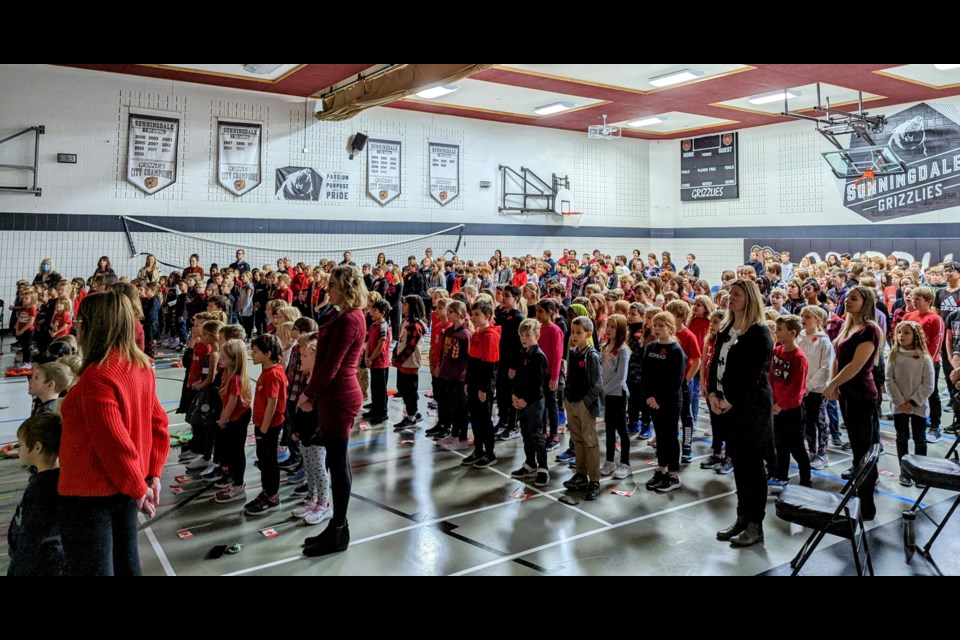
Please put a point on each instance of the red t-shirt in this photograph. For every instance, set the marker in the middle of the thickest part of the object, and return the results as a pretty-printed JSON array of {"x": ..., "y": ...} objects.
[
  {"x": 688, "y": 342},
  {"x": 61, "y": 324},
  {"x": 26, "y": 316},
  {"x": 380, "y": 360},
  {"x": 283, "y": 294},
  {"x": 788, "y": 376},
  {"x": 272, "y": 384},
  {"x": 438, "y": 324},
  {"x": 234, "y": 387},
  {"x": 933, "y": 327},
  {"x": 197, "y": 370},
  {"x": 700, "y": 327},
  {"x": 76, "y": 302}
]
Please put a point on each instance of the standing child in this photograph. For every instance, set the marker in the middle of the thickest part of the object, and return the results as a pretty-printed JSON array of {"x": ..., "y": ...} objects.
[
  {"x": 664, "y": 364},
  {"x": 453, "y": 372},
  {"x": 818, "y": 349},
  {"x": 205, "y": 356},
  {"x": 788, "y": 377},
  {"x": 718, "y": 462},
  {"x": 47, "y": 382},
  {"x": 377, "y": 360},
  {"x": 26, "y": 323},
  {"x": 933, "y": 329},
  {"x": 407, "y": 359},
  {"x": 484, "y": 352},
  {"x": 551, "y": 342},
  {"x": 691, "y": 349},
  {"x": 910, "y": 377},
  {"x": 528, "y": 400},
  {"x": 582, "y": 402},
  {"x": 34, "y": 536},
  {"x": 269, "y": 408},
  {"x": 438, "y": 325},
  {"x": 508, "y": 318},
  {"x": 236, "y": 396},
  {"x": 316, "y": 507},
  {"x": 616, "y": 358},
  {"x": 638, "y": 413}
]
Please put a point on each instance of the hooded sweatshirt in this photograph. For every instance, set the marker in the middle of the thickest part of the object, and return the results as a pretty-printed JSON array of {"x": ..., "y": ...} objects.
[
  {"x": 819, "y": 351},
  {"x": 483, "y": 354}
]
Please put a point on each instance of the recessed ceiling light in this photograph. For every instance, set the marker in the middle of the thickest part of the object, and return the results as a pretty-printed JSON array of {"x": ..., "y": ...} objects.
[
  {"x": 261, "y": 69},
  {"x": 676, "y": 77},
  {"x": 436, "y": 92},
  {"x": 945, "y": 67},
  {"x": 646, "y": 122},
  {"x": 776, "y": 96},
  {"x": 555, "y": 107}
]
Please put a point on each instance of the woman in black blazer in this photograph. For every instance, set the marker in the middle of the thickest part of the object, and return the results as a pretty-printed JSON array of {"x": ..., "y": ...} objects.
[{"x": 740, "y": 395}]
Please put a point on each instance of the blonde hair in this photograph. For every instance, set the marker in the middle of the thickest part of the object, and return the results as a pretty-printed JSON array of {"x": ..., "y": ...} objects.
[
  {"x": 288, "y": 314},
  {"x": 919, "y": 339},
  {"x": 622, "y": 307},
  {"x": 130, "y": 291},
  {"x": 529, "y": 326},
  {"x": 455, "y": 306},
  {"x": 818, "y": 314},
  {"x": 925, "y": 293},
  {"x": 353, "y": 292},
  {"x": 707, "y": 304},
  {"x": 58, "y": 373},
  {"x": 680, "y": 310},
  {"x": 753, "y": 309},
  {"x": 107, "y": 323},
  {"x": 236, "y": 352},
  {"x": 74, "y": 363},
  {"x": 666, "y": 319}
]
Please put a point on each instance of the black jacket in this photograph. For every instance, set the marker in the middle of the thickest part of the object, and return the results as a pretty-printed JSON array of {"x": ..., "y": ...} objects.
[
  {"x": 531, "y": 374},
  {"x": 34, "y": 535},
  {"x": 745, "y": 383}
]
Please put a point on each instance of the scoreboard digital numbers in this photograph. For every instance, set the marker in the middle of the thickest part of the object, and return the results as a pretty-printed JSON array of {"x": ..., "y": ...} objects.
[{"x": 709, "y": 168}]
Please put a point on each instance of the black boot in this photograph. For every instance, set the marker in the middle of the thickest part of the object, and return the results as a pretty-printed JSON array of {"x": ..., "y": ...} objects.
[
  {"x": 737, "y": 527},
  {"x": 332, "y": 540},
  {"x": 752, "y": 535}
]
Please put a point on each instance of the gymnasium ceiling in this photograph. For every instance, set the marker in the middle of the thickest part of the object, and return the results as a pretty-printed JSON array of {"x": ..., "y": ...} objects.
[{"x": 717, "y": 99}]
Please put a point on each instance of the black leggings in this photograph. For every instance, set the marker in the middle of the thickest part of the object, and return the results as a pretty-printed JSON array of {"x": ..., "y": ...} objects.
[
  {"x": 665, "y": 421},
  {"x": 616, "y": 421},
  {"x": 637, "y": 408},
  {"x": 267, "y": 459},
  {"x": 341, "y": 479},
  {"x": 99, "y": 536},
  {"x": 25, "y": 339},
  {"x": 860, "y": 415},
  {"x": 407, "y": 384},
  {"x": 231, "y": 447},
  {"x": 481, "y": 419},
  {"x": 247, "y": 323},
  {"x": 908, "y": 424}
]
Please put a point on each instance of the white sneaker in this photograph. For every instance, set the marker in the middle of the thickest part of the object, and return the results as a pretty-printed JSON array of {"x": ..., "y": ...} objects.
[
  {"x": 231, "y": 494},
  {"x": 318, "y": 515},
  {"x": 305, "y": 508},
  {"x": 623, "y": 471},
  {"x": 607, "y": 468},
  {"x": 197, "y": 464}
]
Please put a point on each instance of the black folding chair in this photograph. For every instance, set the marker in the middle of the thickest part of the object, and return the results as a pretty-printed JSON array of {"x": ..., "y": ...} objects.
[
  {"x": 934, "y": 473},
  {"x": 826, "y": 512}
]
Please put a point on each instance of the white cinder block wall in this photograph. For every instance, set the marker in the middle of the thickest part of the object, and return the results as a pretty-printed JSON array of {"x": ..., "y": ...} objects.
[{"x": 625, "y": 187}]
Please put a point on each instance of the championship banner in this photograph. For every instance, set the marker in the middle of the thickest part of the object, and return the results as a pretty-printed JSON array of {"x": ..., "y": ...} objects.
[
  {"x": 444, "y": 171},
  {"x": 383, "y": 169},
  {"x": 152, "y": 152},
  {"x": 238, "y": 155}
]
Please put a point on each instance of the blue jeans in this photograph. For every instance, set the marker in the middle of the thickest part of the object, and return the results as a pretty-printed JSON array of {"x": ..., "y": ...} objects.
[
  {"x": 695, "y": 398},
  {"x": 99, "y": 536},
  {"x": 833, "y": 416}
]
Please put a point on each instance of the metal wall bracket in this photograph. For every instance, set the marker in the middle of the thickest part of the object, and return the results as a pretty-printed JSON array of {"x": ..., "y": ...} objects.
[{"x": 35, "y": 167}]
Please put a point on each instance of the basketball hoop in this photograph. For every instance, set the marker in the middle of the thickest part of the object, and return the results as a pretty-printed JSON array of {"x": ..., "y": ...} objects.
[
  {"x": 572, "y": 218},
  {"x": 867, "y": 175}
]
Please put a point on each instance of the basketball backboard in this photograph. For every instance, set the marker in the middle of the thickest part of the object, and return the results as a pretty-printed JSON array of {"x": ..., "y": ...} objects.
[{"x": 856, "y": 161}]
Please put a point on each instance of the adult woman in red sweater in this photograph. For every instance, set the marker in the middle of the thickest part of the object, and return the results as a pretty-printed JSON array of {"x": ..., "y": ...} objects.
[
  {"x": 335, "y": 394},
  {"x": 114, "y": 444}
]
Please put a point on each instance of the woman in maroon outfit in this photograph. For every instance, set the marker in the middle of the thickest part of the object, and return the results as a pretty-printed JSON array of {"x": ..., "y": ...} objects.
[{"x": 335, "y": 393}]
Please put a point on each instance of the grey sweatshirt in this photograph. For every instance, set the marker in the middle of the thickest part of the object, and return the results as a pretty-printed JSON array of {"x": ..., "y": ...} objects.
[
  {"x": 614, "y": 371},
  {"x": 910, "y": 379}
]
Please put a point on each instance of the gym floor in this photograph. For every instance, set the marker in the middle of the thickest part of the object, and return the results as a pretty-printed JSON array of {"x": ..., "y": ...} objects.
[{"x": 416, "y": 511}]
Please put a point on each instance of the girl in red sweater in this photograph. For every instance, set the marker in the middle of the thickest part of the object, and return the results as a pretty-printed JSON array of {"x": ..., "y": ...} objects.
[
  {"x": 236, "y": 396},
  {"x": 63, "y": 318},
  {"x": 114, "y": 443}
]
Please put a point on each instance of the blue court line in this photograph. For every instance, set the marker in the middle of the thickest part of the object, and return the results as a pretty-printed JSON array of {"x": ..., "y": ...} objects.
[
  {"x": 880, "y": 492},
  {"x": 375, "y": 441},
  {"x": 943, "y": 436}
]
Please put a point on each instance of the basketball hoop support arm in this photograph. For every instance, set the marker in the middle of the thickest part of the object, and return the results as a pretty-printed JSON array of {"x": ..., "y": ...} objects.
[{"x": 840, "y": 123}]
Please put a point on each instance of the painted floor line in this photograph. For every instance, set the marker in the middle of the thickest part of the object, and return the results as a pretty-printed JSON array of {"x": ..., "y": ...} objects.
[{"x": 164, "y": 561}]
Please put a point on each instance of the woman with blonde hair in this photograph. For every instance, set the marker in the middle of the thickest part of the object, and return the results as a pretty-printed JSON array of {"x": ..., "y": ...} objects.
[
  {"x": 740, "y": 396},
  {"x": 114, "y": 444},
  {"x": 853, "y": 384},
  {"x": 335, "y": 394},
  {"x": 47, "y": 274},
  {"x": 150, "y": 271}
]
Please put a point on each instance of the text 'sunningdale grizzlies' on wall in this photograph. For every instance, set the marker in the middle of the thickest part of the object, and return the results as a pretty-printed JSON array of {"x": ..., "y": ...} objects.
[{"x": 927, "y": 139}]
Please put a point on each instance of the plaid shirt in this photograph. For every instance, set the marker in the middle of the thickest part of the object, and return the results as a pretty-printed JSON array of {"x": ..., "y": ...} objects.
[{"x": 295, "y": 377}]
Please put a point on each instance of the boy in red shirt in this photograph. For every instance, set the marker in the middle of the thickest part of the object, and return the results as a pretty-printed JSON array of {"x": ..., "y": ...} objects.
[
  {"x": 269, "y": 411},
  {"x": 681, "y": 311},
  {"x": 283, "y": 291},
  {"x": 933, "y": 329},
  {"x": 483, "y": 355},
  {"x": 377, "y": 359},
  {"x": 788, "y": 377}
]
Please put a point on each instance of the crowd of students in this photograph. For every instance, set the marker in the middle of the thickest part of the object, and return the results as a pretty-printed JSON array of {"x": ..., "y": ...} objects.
[{"x": 517, "y": 348}]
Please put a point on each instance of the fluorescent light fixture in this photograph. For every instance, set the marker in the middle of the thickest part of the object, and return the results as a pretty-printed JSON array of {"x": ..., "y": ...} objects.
[
  {"x": 776, "y": 96},
  {"x": 436, "y": 92},
  {"x": 945, "y": 67},
  {"x": 646, "y": 122},
  {"x": 676, "y": 77},
  {"x": 261, "y": 69},
  {"x": 555, "y": 107}
]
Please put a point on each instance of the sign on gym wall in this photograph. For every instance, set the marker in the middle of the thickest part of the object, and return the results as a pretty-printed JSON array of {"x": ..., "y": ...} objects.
[
  {"x": 152, "y": 152},
  {"x": 926, "y": 251},
  {"x": 383, "y": 169},
  {"x": 444, "y": 172},
  {"x": 238, "y": 156},
  {"x": 927, "y": 139}
]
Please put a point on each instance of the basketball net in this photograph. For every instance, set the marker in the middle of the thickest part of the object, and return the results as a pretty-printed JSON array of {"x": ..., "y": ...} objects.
[{"x": 867, "y": 175}]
